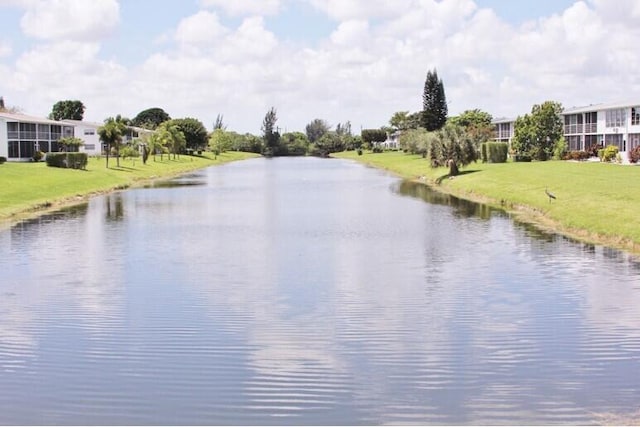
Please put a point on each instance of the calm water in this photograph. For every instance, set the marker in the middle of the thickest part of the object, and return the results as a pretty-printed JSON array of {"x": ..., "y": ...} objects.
[{"x": 309, "y": 291}]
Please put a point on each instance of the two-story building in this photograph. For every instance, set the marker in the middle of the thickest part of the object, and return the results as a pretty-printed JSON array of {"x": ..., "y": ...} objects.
[
  {"x": 503, "y": 129},
  {"x": 21, "y": 135},
  {"x": 603, "y": 124}
]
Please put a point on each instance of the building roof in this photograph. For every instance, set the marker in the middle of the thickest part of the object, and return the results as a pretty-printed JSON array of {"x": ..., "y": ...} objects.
[
  {"x": 599, "y": 107},
  {"x": 83, "y": 123},
  {"x": 16, "y": 117},
  {"x": 502, "y": 120}
]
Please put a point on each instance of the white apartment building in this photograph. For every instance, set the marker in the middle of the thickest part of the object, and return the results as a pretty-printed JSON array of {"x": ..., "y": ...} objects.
[
  {"x": 503, "y": 129},
  {"x": 21, "y": 135},
  {"x": 603, "y": 124}
]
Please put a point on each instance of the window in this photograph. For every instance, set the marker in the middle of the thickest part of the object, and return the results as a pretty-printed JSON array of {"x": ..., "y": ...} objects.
[
  {"x": 635, "y": 116},
  {"x": 89, "y": 147},
  {"x": 13, "y": 132},
  {"x": 44, "y": 132},
  {"x": 591, "y": 122},
  {"x": 615, "y": 118},
  {"x": 26, "y": 149},
  {"x": 89, "y": 132},
  {"x": 56, "y": 132},
  {"x": 27, "y": 131},
  {"x": 14, "y": 150},
  {"x": 43, "y": 146},
  {"x": 68, "y": 131}
]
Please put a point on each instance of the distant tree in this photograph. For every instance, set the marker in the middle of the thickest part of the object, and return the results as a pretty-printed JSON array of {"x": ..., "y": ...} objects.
[
  {"x": 477, "y": 123},
  {"x": 415, "y": 141},
  {"x": 220, "y": 141},
  {"x": 293, "y": 144},
  {"x": 371, "y": 136},
  {"x": 452, "y": 147},
  {"x": 403, "y": 120},
  {"x": 150, "y": 118},
  {"x": 434, "y": 101},
  {"x": 195, "y": 133},
  {"x": 111, "y": 134},
  {"x": 219, "y": 124},
  {"x": 328, "y": 143},
  {"x": 537, "y": 134},
  {"x": 248, "y": 143},
  {"x": 67, "y": 110},
  {"x": 170, "y": 138},
  {"x": 316, "y": 129},
  {"x": 270, "y": 134}
]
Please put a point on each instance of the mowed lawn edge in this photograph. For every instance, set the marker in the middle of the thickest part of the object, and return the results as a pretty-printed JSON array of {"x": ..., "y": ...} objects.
[
  {"x": 595, "y": 202},
  {"x": 30, "y": 189}
]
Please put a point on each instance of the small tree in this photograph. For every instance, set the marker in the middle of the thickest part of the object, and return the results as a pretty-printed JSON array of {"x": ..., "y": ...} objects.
[
  {"x": 270, "y": 134},
  {"x": 315, "y": 129},
  {"x": 220, "y": 141},
  {"x": 452, "y": 147},
  {"x": 371, "y": 136},
  {"x": 70, "y": 143},
  {"x": 536, "y": 135}
]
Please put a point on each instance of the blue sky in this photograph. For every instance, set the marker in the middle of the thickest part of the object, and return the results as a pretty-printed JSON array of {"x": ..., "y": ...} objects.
[{"x": 339, "y": 60}]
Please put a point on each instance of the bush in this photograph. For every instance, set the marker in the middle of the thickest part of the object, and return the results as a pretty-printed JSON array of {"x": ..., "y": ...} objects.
[
  {"x": 359, "y": 151},
  {"x": 377, "y": 149},
  {"x": 2, "y": 160},
  {"x": 522, "y": 158},
  {"x": 577, "y": 155},
  {"x": 634, "y": 155},
  {"x": 129, "y": 151},
  {"x": 37, "y": 156},
  {"x": 494, "y": 152},
  {"x": 608, "y": 153},
  {"x": 67, "y": 160}
]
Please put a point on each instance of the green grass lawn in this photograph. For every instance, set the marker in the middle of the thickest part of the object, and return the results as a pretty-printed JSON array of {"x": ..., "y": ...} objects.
[
  {"x": 26, "y": 187},
  {"x": 595, "y": 202}
]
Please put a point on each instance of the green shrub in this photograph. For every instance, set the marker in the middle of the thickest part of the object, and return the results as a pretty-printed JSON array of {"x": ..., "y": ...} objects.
[
  {"x": 634, "y": 155},
  {"x": 2, "y": 160},
  {"x": 494, "y": 152},
  {"x": 67, "y": 160},
  {"x": 608, "y": 153},
  {"x": 359, "y": 151},
  {"x": 129, "y": 151},
  {"x": 522, "y": 158},
  {"x": 37, "y": 156},
  {"x": 377, "y": 149},
  {"x": 577, "y": 155}
]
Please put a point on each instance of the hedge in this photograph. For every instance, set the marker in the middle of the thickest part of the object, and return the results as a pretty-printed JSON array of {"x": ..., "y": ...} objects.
[
  {"x": 2, "y": 160},
  {"x": 67, "y": 160},
  {"x": 494, "y": 152}
]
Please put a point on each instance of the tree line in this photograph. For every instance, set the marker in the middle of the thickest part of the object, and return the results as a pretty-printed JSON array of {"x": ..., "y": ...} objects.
[{"x": 445, "y": 141}]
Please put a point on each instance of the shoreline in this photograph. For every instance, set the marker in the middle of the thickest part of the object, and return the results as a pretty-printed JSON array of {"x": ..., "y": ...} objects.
[
  {"x": 38, "y": 209},
  {"x": 518, "y": 212}
]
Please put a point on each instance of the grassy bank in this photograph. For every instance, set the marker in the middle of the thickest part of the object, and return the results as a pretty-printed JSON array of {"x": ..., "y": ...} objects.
[
  {"x": 596, "y": 202},
  {"x": 28, "y": 188}
]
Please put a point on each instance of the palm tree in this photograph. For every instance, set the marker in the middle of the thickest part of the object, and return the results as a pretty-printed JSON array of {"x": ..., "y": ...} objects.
[
  {"x": 453, "y": 147},
  {"x": 111, "y": 134}
]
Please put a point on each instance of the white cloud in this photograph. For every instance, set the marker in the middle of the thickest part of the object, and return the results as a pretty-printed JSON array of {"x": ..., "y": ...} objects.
[
  {"x": 373, "y": 64},
  {"x": 245, "y": 7},
  {"x": 70, "y": 19},
  {"x": 202, "y": 28},
  {"x": 352, "y": 32}
]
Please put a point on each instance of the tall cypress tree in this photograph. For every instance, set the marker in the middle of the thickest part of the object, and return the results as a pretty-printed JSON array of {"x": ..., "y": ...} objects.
[{"x": 434, "y": 112}]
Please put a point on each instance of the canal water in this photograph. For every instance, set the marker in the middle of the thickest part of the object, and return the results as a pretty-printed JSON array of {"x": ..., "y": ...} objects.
[{"x": 309, "y": 291}]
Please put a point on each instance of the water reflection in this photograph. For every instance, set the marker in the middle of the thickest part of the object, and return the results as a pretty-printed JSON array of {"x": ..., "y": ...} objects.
[
  {"x": 303, "y": 291},
  {"x": 462, "y": 208}
]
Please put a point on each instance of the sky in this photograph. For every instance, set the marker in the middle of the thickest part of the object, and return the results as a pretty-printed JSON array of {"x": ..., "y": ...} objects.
[{"x": 337, "y": 60}]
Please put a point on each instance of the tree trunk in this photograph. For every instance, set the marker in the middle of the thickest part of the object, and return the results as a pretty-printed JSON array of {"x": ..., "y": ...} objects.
[
  {"x": 108, "y": 147},
  {"x": 453, "y": 168}
]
